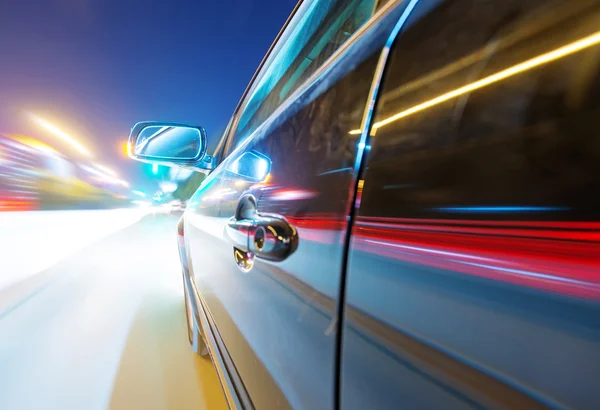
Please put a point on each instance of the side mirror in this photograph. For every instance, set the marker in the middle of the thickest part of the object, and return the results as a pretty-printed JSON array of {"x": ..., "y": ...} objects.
[{"x": 170, "y": 143}]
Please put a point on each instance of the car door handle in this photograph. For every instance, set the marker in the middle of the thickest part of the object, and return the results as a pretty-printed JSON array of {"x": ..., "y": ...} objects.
[{"x": 267, "y": 236}]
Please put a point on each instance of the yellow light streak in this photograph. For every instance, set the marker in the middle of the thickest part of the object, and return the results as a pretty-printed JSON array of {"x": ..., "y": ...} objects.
[
  {"x": 527, "y": 65},
  {"x": 59, "y": 133},
  {"x": 33, "y": 143},
  {"x": 127, "y": 149}
]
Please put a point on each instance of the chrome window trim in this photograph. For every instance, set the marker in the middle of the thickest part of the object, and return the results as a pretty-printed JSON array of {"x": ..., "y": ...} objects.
[
  {"x": 232, "y": 126},
  {"x": 373, "y": 20},
  {"x": 381, "y": 14}
]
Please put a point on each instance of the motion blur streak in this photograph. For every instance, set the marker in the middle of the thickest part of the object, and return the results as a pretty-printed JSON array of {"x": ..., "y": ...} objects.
[
  {"x": 59, "y": 133},
  {"x": 542, "y": 59},
  {"x": 563, "y": 259},
  {"x": 105, "y": 327},
  {"x": 106, "y": 169},
  {"x": 34, "y": 175},
  {"x": 559, "y": 257}
]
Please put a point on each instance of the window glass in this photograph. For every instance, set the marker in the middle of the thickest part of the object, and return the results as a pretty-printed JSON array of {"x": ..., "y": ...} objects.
[
  {"x": 495, "y": 113},
  {"x": 317, "y": 30}
]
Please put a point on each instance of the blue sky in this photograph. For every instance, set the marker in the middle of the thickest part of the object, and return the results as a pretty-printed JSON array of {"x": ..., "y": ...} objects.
[{"x": 98, "y": 66}]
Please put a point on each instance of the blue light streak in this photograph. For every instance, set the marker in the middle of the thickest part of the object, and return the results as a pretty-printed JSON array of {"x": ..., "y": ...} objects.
[{"x": 495, "y": 209}]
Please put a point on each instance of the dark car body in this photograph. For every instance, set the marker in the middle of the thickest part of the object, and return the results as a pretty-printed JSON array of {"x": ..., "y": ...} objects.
[{"x": 435, "y": 170}]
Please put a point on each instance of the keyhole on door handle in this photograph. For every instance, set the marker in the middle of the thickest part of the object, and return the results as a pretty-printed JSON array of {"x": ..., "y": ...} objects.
[{"x": 259, "y": 238}]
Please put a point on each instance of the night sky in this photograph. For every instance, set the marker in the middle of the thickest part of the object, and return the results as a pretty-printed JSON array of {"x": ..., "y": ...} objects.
[{"x": 95, "y": 67}]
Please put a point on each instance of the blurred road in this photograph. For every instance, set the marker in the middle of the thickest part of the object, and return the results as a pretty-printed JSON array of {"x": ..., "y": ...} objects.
[
  {"x": 104, "y": 326},
  {"x": 53, "y": 235}
]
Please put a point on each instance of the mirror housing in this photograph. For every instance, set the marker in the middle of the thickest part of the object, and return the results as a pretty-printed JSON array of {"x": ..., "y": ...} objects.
[{"x": 170, "y": 143}]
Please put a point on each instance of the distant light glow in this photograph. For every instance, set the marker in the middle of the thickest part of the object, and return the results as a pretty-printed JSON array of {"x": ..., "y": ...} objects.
[
  {"x": 139, "y": 193},
  {"x": 143, "y": 204},
  {"x": 155, "y": 169},
  {"x": 168, "y": 186},
  {"x": 180, "y": 174},
  {"x": 59, "y": 133},
  {"x": 127, "y": 149},
  {"x": 221, "y": 193},
  {"x": 262, "y": 168},
  {"x": 103, "y": 176}
]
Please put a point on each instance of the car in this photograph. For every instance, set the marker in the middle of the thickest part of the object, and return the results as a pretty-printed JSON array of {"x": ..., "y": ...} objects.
[{"x": 404, "y": 210}]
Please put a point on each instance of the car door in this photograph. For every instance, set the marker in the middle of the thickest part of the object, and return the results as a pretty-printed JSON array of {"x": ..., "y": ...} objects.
[
  {"x": 290, "y": 165},
  {"x": 474, "y": 268}
]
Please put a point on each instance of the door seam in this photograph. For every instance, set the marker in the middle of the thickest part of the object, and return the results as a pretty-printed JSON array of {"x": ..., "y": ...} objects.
[{"x": 363, "y": 144}]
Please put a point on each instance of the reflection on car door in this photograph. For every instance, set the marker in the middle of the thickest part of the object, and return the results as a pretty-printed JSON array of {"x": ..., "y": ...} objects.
[
  {"x": 473, "y": 274},
  {"x": 278, "y": 320}
]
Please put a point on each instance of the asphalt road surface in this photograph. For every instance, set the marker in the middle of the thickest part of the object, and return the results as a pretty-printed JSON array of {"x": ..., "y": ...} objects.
[{"x": 92, "y": 315}]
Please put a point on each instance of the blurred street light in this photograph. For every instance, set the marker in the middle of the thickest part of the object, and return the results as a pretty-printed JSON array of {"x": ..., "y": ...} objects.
[
  {"x": 106, "y": 170},
  {"x": 34, "y": 143},
  {"x": 143, "y": 204},
  {"x": 126, "y": 148},
  {"x": 168, "y": 187},
  {"x": 104, "y": 176},
  {"x": 59, "y": 133}
]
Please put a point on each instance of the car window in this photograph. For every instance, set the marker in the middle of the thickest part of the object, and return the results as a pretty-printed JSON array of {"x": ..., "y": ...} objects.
[
  {"x": 317, "y": 30},
  {"x": 498, "y": 118}
]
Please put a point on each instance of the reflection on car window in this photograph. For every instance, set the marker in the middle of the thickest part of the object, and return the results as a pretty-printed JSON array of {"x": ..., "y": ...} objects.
[
  {"x": 499, "y": 110},
  {"x": 318, "y": 29}
]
